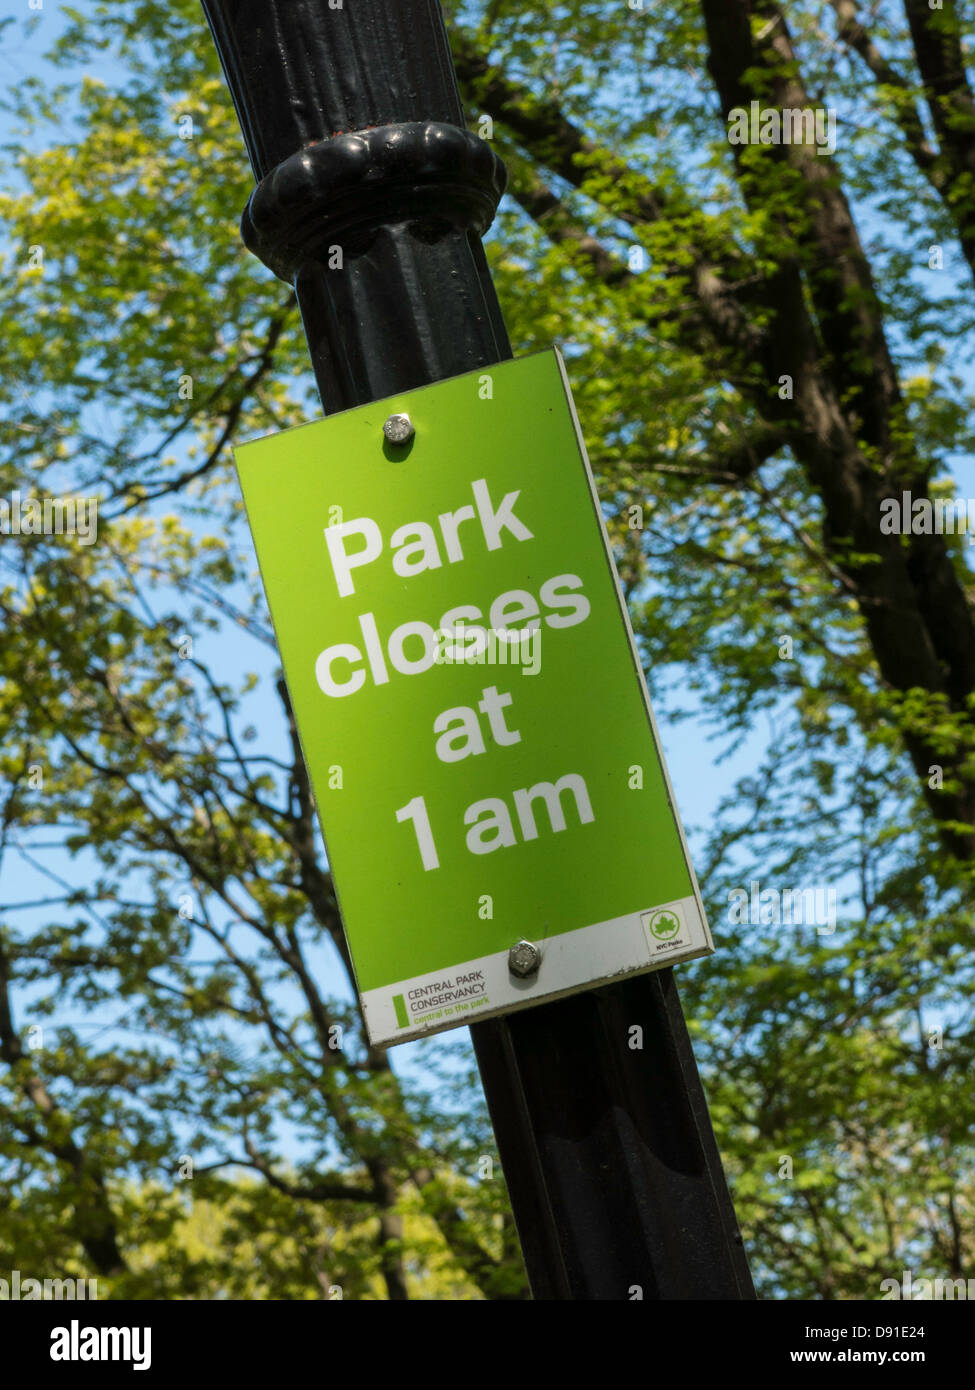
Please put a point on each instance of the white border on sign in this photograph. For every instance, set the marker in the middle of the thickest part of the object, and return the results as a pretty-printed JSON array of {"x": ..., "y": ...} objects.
[{"x": 570, "y": 962}]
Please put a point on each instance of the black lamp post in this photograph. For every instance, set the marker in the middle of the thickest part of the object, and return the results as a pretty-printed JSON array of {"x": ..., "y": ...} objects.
[{"x": 371, "y": 200}]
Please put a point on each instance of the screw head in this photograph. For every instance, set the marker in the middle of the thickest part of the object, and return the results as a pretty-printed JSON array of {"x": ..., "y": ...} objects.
[
  {"x": 398, "y": 429},
  {"x": 524, "y": 959}
]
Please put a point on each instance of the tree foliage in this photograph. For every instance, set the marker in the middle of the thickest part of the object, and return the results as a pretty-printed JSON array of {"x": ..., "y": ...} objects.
[{"x": 764, "y": 347}]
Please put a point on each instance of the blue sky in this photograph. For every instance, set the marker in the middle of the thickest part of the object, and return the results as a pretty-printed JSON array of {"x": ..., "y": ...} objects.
[{"x": 701, "y": 778}]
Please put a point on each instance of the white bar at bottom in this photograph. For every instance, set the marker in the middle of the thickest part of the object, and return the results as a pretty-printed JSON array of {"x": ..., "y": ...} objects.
[{"x": 573, "y": 961}]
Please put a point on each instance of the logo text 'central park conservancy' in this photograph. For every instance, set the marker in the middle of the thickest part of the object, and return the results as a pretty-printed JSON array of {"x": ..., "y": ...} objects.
[{"x": 470, "y": 806}]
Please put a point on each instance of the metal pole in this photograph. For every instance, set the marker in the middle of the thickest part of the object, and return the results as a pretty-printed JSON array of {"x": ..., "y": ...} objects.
[{"x": 371, "y": 200}]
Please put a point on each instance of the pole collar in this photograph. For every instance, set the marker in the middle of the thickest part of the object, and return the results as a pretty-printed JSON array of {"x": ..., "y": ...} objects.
[{"x": 337, "y": 192}]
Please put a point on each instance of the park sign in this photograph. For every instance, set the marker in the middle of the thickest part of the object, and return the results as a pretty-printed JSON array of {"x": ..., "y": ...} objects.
[{"x": 472, "y": 711}]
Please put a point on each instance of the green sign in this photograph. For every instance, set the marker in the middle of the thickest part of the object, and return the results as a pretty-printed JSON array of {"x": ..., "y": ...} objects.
[{"x": 470, "y": 704}]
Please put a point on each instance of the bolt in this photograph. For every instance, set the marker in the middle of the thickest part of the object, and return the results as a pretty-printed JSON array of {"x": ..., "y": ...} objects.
[
  {"x": 523, "y": 959},
  {"x": 398, "y": 429}
]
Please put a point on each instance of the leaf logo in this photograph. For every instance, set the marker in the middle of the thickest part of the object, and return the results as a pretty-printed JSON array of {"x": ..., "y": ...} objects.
[{"x": 664, "y": 925}]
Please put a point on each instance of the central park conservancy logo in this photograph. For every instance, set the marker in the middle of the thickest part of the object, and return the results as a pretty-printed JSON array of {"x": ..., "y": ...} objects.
[{"x": 454, "y": 994}]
